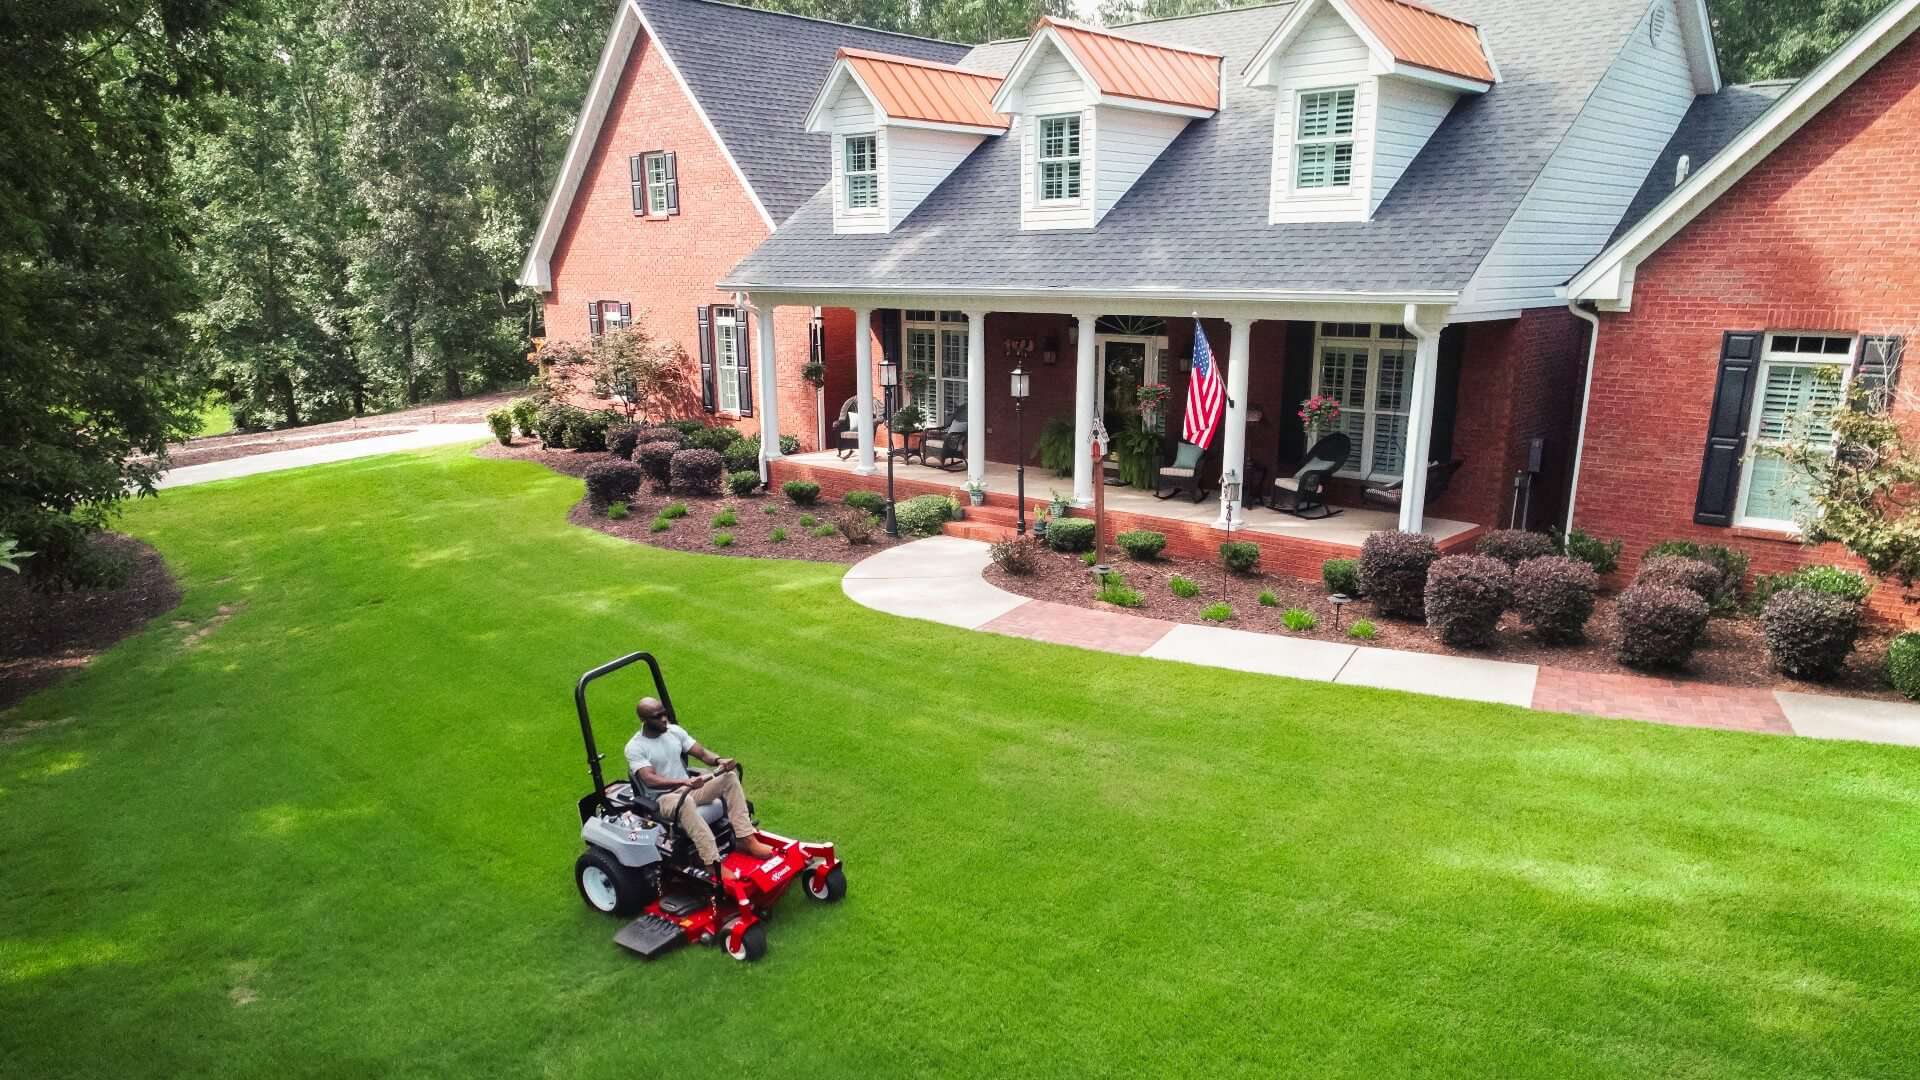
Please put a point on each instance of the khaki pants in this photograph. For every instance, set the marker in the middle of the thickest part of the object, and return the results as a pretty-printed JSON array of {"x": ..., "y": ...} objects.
[{"x": 683, "y": 806}]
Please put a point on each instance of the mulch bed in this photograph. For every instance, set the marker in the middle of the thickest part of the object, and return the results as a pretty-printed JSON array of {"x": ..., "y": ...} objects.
[
  {"x": 228, "y": 447},
  {"x": 756, "y": 516},
  {"x": 1734, "y": 653},
  {"x": 46, "y": 635}
]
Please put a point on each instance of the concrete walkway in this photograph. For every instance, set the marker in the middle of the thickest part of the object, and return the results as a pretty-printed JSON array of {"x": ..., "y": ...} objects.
[
  {"x": 940, "y": 579},
  {"x": 417, "y": 439}
]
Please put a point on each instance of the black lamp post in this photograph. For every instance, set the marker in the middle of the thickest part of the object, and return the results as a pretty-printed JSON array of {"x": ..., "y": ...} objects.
[
  {"x": 1019, "y": 392},
  {"x": 889, "y": 382}
]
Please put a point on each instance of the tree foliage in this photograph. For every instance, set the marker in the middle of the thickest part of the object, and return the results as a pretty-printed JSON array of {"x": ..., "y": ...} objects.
[
  {"x": 1861, "y": 483},
  {"x": 1783, "y": 39}
]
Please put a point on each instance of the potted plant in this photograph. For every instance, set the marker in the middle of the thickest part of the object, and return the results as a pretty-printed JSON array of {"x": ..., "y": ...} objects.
[
  {"x": 1151, "y": 397},
  {"x": 1319, "y": 413},
  {"x": 1059, "y": 505},
  {"x": 1040, "y": 523},
  {"x": 976, "y": 492}
]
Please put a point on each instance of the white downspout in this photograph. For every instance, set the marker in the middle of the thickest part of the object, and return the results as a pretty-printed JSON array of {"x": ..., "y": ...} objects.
[{"x": 1586, "y": 400}]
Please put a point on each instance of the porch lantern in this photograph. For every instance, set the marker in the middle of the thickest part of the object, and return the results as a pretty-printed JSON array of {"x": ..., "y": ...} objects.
[
  {"x": 889, "y": 382},
  {"x": 1018, "y": 391}
]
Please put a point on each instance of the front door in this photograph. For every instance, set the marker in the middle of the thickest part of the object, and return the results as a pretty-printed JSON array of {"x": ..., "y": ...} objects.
[{"x": 1126, "y": 363}]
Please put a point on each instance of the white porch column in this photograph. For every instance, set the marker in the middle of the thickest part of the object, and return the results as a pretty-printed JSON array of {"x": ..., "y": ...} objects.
[
  {"x": 1233, "y": 451},
  {"x": 769, "y": 384},
  {"x": 977, "y": 396},
  {"x": 1085, "y": 376},
  {"x": 863, "y": 386},
  {"x": 1426, "y": 364}
]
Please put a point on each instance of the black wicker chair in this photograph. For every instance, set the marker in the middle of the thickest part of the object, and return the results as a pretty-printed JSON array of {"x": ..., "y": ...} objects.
[
  {"x": 946, "y": 447},
  {"x": 1387, "y": 496},
  {"x": 844, "y": 435},
  {"x": 1183, "y": 475},
  {"x": 1305, "y": 491}
]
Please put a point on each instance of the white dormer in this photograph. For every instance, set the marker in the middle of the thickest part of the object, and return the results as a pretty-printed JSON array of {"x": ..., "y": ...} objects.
[
  {"x": 1361, "y": 86},
  {"x": 899, "y": 127},
  {"x": 1092, "y": 111}
]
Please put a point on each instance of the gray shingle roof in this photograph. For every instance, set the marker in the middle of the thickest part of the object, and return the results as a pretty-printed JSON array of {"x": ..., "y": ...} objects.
[
  {"x": 755, "y": 72},
  {"x": 1711, "y": 123},
  {"x": 1197, "y": 219}
]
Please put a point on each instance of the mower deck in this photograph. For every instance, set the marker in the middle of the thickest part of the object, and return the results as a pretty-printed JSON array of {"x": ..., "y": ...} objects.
[{"x": 749, "y": 887}]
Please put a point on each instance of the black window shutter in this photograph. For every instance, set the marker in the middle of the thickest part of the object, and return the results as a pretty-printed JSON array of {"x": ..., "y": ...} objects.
[
  {"x": 704, "y": 317},
  {"x": 673, "y": 182},
  {"x": 1878, "y": 373},
  {"x": 745, "y": 353},
  {"x": 1727, "y": 428},
  {"x": 637, "y": 178},
  {"x": 816, "y": 341},
  {"x": 593, "y": 318},
  {"x": 626, "y": 314}
]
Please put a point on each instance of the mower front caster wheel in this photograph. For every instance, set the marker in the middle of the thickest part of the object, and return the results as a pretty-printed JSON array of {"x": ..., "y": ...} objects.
[
  {"x": 607, "y": 886},
  {"x": 831, "y": 889},
  {"x": 753, "y": 944}
]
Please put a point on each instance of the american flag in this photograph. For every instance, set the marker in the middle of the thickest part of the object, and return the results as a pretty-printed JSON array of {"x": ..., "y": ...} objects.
[{"x": 1205, "y": 394}]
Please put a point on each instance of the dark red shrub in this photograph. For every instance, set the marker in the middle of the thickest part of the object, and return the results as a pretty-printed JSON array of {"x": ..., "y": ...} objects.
[
  {"x": 1554, "y": 596},
  {"x": 1465, "y": 597},
  {"x": 1514, "y": 546},
  {"x": 1660, "y": 625},
  {"x": 1393, "y": 571},
  {"x": 657, "y": 459},
  {"x": 611, "y": 481},
  {"x": 696, "y": 472},
  {"x": 1678, "y": 571},
  {"x": 1810, "y": 634}
]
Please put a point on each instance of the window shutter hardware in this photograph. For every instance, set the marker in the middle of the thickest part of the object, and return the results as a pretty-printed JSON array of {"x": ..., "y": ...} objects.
[{"x": 1733, "y": 394}]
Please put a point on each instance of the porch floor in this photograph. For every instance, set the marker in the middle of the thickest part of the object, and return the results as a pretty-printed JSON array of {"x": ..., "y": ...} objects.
[{"x": 1348, "y": 528}]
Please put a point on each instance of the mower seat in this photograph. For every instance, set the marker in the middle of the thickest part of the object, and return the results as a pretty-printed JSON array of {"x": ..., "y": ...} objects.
[{"x": 630, "y": 795}]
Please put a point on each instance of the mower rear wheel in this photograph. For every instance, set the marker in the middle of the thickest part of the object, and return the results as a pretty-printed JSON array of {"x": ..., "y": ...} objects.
[
  {"x": 753, "y": 944},
  {"x": 830, "y": 890},
  {"x": 607, "y": 886}
]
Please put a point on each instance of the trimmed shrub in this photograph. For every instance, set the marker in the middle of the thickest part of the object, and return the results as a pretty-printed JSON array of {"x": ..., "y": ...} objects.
[
  {"x": 715, "y": 439},
  {"x": 743, "y": 482},
  {"x": 501, "y": 421},
  {"x": 1903, "y": 664},
  {"x": 623, "y": 439},
  {"x": 1465, "y": 597},
  {"x": 674, "y": 510},
  {"x": 662, "y": 434},
  {"x": 1141, "y": 545},
  {"x": 923, "y": 515},
  {"x": 1114, "y": 590},
  {"x": 1240, "y": 556},
  {"x": 725, "y": 519},
  {"x": 1183, "y": 587},
  {"x": 656, "y": 460},
  {"x": 1217, "y": 612},
  {"x": 686, "y": 427},
  {"x": 587, "y": 431},
  {"x": 1697, "y": 576},
  {"x": 778, "y": 535},
  {"x": 616, "y": 510},
  {"x": 612, "y": 481},
  {"x": 695, "y": 471},
  {"x": 857, "y": 526},
  {"x": 789, "y": 444},
  {"x": 871, "y": 501},
  {"x": 1514, "y": 546},
  {"x": 1818, "y": 578},
  {"x": 1017, "y": 556},
  {"x": 1070, "y": 534},
  {"x": 1659, "y": 625},
  {"x": 1810, "y": 634},
  {"x": 1393, "y": 571},
  {"x": 1268, "y": 599},
  {"x": 1363, "y": 630},
  {"x": 723, "y": 539},
  {"x": 1299, "y": 620},
  {"x": 1554, "y": 596},
  {"x": 526, "y": 413},
  {"x": 1602, "y": 555},
  {"x": 552, "y": 424},
  {"x": 801, "y": 492},
  {"x": 1341, "y": 576},
  {"x": 742, "y": 454},
  {"x": 1730, "y": 564}
]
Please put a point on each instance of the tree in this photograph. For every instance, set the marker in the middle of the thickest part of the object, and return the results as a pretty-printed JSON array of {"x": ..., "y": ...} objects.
[
  {"x": 1117, "y": 12},
  {"x": 93, "y": 302},
  {"x": 1783, "y": 39}
]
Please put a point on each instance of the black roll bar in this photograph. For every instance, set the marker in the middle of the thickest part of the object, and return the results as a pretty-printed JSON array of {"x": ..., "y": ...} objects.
[{"x": 586, "y": 725}]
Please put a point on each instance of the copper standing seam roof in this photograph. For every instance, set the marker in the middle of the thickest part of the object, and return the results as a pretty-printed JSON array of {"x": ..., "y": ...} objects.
[
  {"x": 1418, "y": 35},
  {"x": 1141, "y": 70},
  {"x": 910, "y": 89}
]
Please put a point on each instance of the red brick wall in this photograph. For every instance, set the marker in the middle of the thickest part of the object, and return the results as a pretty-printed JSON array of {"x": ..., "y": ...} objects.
[
  {"x": 1820, "y": 236},
  {"x": 666, "y": 267}
]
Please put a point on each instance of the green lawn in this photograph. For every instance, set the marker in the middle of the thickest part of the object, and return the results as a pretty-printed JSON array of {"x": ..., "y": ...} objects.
[
  {"x": 215, "y": 418},
  {"x": 331, "y": 834}
]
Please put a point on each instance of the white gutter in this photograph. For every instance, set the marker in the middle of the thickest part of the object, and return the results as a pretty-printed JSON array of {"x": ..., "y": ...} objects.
[
  {"x": 1171, "y": 293},
  {"x": 1586, "y": 400}
]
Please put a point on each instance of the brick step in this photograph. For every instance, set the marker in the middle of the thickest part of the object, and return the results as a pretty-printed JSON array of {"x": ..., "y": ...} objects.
[
  {"x": 978, "y": 530},
  {"x": 996, "y": 515}
]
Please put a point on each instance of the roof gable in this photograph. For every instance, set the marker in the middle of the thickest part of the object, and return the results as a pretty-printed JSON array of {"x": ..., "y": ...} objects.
[
  {"x": 1121, "y": 70},
  {"x": 914, "y": 91},
  {"x": 1404, "y": 38}
]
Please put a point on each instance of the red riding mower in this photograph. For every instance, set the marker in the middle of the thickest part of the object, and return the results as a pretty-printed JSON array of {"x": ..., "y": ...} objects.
[{"x": 638, "y": 862}]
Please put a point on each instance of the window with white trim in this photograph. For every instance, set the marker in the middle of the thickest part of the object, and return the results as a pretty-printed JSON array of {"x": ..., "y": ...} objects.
[
  {"x": 937, "y": 363},
  {"x": 860, "y": 163},
  {"x": 660, "y": 183},
  {"x": 1368, "y": 369},
  {"x": 1059, "y": 158},
  {"x": 1802, "y": 380},
  {"x": 726, "y": 357},
  {"x": 1323, "y": 139}
]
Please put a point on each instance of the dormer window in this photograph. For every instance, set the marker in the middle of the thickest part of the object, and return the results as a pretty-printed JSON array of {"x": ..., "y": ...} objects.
[
  {"x": 1060, "y": 158},
  {"x": 862, "y": 173},
  {"x": 1323, "y": 147}
]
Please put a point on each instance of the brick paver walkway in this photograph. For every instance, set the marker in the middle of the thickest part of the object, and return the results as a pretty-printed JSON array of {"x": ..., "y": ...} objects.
[
  {"x": 1107, "y": 631},
  {"x": 1664, "y": 701}
]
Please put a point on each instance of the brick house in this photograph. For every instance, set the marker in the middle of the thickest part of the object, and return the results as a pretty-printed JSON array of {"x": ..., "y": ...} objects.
[{"x": 1770, "y": 247}]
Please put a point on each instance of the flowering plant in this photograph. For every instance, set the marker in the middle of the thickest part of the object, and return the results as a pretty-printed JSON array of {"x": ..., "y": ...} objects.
[
  {"x": 1319, "y": 411},
  {"x": 1153, "y": 395}
]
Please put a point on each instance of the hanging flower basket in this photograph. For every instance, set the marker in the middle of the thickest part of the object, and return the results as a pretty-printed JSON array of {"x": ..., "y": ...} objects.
[
  {"x": 1152, "y": 396},
  {"x": 1319, "y": 412}
]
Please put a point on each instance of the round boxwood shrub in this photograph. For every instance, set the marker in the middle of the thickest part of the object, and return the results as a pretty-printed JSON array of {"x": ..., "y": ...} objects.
[
  {"x": 662, "y": 434},
  {"x": 1554, "y": 596},
  {"x": 802, "y": 492},
  {"x": 623, "y": 439},
  {"x": 588, "y": 430},
  {"x": 552, "y": 423},
  {"x": 1393, "y": 571},
  {"x": 1903, "y": 664},
  {"x": 743, "y": 481},
  {"x": 656, "y": 460},
  {"x": 1070, "y": 534},
  {"x": 1731, "y": 564},
  {"x": 1240, "y": 556},
  {"x": 526, "y": 413},
  {"x": 1810, "y": 634},
  {"x": 1465, "y": 597},
  {"x": 1141, "y": 545},
  {"x": 742, "y": 454},
  {"x": 716, "y": 439},
  {"x": 1659, "y": 625},
  {"x": 501, "y": 421},
  {"x": 1697, "y": 576},
  {"x": 611, "y": 481},
  {"x": 871, "y": 501},
  {"x": 923, "y": 515},
  {"x": 1341, "y": 576},
  {"x": 1818, "y": 578},
  {"x": 1514, "y": 546},
  {"x": 696, "y": 472}
]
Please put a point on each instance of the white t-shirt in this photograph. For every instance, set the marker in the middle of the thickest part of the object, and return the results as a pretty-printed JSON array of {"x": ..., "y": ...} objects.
[{"x": 661, "y": 753}]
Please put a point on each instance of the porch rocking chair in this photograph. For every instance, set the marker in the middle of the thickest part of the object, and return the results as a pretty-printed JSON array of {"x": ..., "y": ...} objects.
[
  {"x": 1182, "y": 475},
  {"x": 947, "y": 444},
  {"x": 845, "y": 434},
  {"x": 1387, "y": 496},
  {"x": 1306, "y": 490}
]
